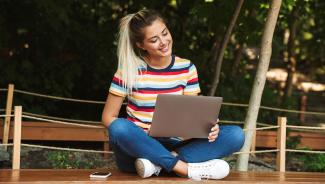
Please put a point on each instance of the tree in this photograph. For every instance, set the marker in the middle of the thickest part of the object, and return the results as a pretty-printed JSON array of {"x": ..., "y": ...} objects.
[
  {"x": 223, "y": 48},
  {"x": 291, "y": 68},
  {"x": 259, "y": 82},
  {"x": 49, "y": 47}
]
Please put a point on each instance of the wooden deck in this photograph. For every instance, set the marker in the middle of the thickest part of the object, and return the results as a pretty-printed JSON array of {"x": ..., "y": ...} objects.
[{"x": 82, "y": 176}]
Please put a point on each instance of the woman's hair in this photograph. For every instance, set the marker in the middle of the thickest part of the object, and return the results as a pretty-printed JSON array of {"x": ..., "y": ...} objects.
[{"x": 130, "y": 57}]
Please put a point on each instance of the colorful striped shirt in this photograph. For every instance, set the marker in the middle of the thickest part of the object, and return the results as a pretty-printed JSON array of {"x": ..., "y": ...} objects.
[{"x": 180, "y": 78}]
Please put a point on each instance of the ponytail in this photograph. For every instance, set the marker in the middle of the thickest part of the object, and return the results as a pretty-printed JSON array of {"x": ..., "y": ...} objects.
[
  {"x": 129, "y": 63},
  {"x": 130, "y": 60}
]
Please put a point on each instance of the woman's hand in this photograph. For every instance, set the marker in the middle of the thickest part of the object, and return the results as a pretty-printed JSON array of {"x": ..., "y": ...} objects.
[{"x": 214, "y": 132}]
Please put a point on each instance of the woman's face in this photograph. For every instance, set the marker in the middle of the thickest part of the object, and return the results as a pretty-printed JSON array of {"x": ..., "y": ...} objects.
[{"x": 157, "y": 40}]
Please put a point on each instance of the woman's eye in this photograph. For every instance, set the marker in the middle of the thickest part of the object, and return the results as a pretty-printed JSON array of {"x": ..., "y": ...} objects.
[
  {"x": 153, "y": 41},
  {"x": 165, "y": 34}
]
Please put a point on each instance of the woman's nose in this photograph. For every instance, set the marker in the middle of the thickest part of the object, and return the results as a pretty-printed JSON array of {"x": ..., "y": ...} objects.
[{"x": 163, "y": 42}]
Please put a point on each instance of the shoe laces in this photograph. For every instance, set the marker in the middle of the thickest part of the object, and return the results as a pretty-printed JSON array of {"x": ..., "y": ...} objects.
[
  {"x": 157, "y": 170},
  {"x": 202, "y": 171}
]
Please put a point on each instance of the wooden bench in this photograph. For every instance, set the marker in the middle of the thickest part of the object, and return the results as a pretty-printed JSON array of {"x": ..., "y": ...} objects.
[
  {"x": 45, "y": 131},
  {"x": 82, "y": 176},
  {"x": 312, "y": 140}
]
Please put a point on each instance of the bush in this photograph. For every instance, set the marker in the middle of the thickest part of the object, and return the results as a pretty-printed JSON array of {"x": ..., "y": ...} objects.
[
  {"x": 313, "y": 162},
  {"x": 309, "y": 162},
  {"x": 73, "y": 160}
]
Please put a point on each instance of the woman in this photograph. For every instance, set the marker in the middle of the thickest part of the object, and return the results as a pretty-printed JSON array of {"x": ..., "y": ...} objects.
[{"x": 147, "y": 68}]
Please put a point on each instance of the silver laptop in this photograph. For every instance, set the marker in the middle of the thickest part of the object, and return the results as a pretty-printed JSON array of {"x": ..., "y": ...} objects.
[{"x": 184, "y": 116}]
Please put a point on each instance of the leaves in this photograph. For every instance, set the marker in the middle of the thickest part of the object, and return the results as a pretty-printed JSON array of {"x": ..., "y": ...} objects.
[{"x": 72, "y": 47}]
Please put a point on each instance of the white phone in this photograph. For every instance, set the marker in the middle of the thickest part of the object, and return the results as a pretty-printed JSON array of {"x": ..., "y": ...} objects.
[{"x": 100, "y": 174}]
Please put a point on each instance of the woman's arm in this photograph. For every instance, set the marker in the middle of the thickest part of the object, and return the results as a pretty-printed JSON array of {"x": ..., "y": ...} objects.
[{"x": 112, "y": 108}]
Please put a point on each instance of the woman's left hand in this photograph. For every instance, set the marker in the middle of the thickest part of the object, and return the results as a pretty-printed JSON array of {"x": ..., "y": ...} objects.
[{"x": 214, "y": 132}]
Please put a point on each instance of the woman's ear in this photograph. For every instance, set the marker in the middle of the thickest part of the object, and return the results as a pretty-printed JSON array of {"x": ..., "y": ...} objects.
[{"x": 139, "y": 45}]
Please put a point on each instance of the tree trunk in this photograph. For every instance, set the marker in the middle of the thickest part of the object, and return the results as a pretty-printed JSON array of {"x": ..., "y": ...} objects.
[
  {"x": 225, "y": 41},
  {"x": 291, "y": 67},
  {"x": 214, "y": 51},
  {"x": 303, "y": 105},
  {"x": 237, "y": 59},
  {"x": 259, "y": 82}
]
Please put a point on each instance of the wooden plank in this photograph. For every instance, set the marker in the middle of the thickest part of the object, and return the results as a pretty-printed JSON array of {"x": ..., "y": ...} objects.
[
  {"x": 6, "y": 125},
  {"x": 106, "y": 148},
  {"x": 281, "y": 144},
  {"x": 58, "y": 132},
  {"x": 313, "y": 140},
  {"x": 82, "y": 176},
  {"x": 17, "y": 138}
]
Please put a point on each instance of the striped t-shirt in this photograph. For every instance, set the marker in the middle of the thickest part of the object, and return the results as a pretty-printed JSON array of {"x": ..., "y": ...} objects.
[{"x": 180, "y": 78}]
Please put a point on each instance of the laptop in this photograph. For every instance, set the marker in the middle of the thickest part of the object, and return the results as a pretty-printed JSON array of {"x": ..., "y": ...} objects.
[{"x": 184, "y": 116}]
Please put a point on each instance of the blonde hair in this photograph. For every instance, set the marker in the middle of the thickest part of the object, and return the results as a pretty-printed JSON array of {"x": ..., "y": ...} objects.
[{"x": 130, "y": 57}]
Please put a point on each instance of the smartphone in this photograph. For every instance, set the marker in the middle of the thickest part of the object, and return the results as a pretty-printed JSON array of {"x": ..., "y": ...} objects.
[{"x": 100, "y": 174}]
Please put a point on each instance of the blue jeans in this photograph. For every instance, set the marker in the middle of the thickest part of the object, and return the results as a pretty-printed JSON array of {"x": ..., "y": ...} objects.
[{"x": 130, "y": 142}]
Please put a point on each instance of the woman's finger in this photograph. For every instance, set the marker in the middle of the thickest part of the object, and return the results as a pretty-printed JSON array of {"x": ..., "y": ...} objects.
[
  {"x": 213, "y": 136},
  {"x": 214, "y": 133},
  {"x": 215, "y": 127}
]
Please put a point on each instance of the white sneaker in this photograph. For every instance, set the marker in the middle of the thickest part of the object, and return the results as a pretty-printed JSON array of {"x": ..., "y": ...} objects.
[
  {"x": 212, "y": 169},
  {"x": 145, "y": 168}
]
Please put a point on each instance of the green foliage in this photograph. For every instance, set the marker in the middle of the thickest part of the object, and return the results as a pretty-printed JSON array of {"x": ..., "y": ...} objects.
[
  {"x": 73, "y": 160},
  {"x": 313, "y": 162},
  {"x": 60, "y": 160},
  {"x": 68, "y": 48},
  {"x": 293, "y": 142},
  {"x": 309, "y": 162}
]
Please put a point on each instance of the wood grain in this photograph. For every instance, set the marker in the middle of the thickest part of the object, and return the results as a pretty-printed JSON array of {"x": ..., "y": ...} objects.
[{"x": 82, "y": 176}]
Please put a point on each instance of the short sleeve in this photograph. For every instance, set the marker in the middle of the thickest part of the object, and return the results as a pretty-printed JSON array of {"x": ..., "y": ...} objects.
[
  {"x": 192, "y": 86},
  {"x": 117, "y": 87}
]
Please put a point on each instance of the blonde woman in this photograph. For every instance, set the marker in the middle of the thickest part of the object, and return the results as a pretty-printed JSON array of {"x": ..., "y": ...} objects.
[{"x": 147, "y": 68}]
